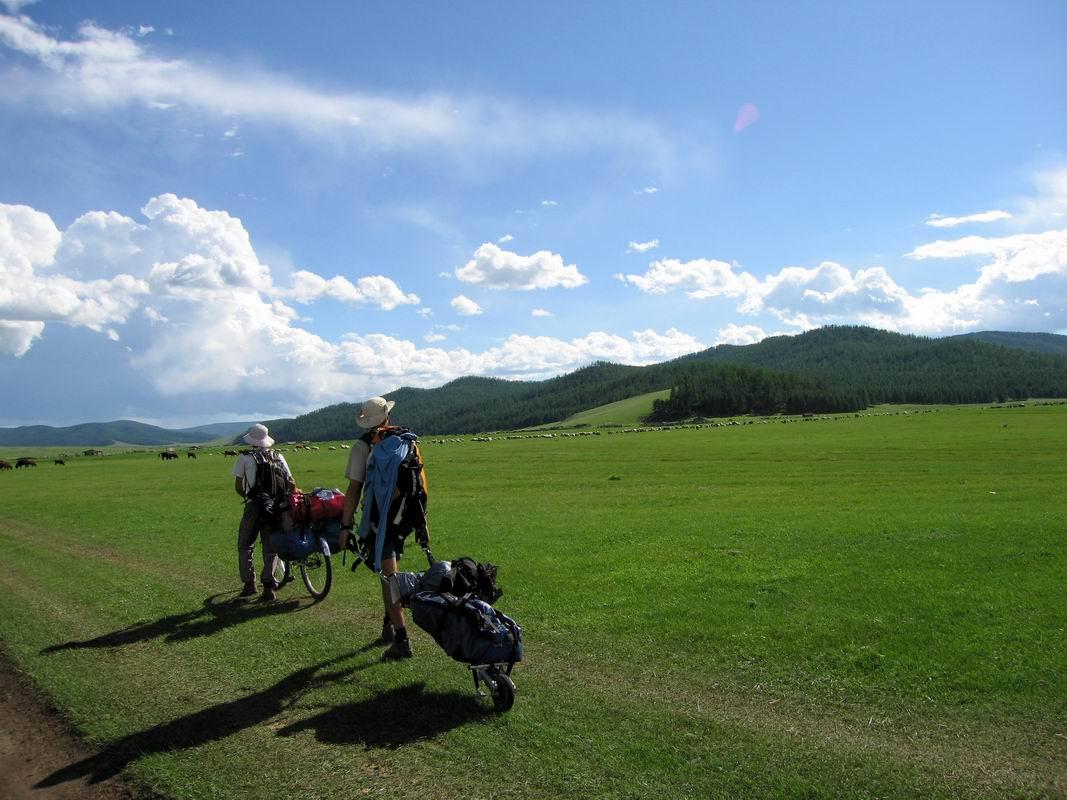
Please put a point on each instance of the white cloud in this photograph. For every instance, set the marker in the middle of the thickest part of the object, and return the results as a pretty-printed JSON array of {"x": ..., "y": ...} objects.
[
  {"x": 540, "y": 312},
  {"x": 740, "y": 334},
  {"x": 549, "y": 203},
  {"x": 101, "y": 70},
  {"x": 13, "y": 6},
  {"x": 434, "y": 337},
  {"x": 377, "y": 290},
  {"x": 507, "y": 237},
  {"x": 34, "y": 289},
  {"x": 642, "y": 247},
  {"x": 425, "y": 312},
  {"x": 646, "y": 190},
  {"x": 502, "y": 269},
  {"x": 938, "y": 221},
  {"x": 702, "y": 277},
  {"x": 144, "y": 30},
  {"x": 465, "y": 306}
]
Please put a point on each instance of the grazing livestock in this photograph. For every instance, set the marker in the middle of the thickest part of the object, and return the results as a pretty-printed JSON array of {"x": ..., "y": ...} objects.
[
  {"x": 166, "y": 456},
  {"x": 5, "y": 465},
  {"x": 229, "y": 452},
  {"x": 26, "y": 462},
  {"x": 190, "y": 454},
  {"x": 59, "y": 462}
]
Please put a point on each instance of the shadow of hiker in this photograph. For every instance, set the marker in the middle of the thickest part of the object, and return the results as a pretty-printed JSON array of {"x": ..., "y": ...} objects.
[
  {"x": 211, "y": 724},
  {"x": 393, "y": 719},
  {"x": 211, "y": 618}
]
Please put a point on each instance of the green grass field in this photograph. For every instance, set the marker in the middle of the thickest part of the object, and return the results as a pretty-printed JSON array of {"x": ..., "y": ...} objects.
[{"x": 865, "y": 607}]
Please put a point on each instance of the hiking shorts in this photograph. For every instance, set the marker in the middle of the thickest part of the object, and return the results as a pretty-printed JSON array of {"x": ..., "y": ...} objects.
[{"x": 392, "y": 548}]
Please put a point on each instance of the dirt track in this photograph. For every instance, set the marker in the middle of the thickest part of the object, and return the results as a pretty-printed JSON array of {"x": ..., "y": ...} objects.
[{"x": 34, "y": 744}]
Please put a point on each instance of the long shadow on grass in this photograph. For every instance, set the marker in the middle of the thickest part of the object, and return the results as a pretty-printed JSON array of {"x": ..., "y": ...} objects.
[
  {"x": 211, "y": 724},
  {"x": 393, "y": 719},
  {"x": 212, "y": 617}
]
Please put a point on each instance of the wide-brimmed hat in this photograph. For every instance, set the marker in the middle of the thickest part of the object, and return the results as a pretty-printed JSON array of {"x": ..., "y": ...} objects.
[
  {"x": 374, "y": 412},
  {"x": 257, "y": 435}
]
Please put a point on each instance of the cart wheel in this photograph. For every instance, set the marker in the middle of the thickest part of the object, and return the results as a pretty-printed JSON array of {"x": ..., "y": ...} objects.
[
  {"x": 504, "y": 693},
  {"x": 317, "y": 570}
]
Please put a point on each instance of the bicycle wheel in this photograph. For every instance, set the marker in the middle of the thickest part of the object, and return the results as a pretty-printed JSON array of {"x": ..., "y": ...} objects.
[
  {"x": 283, "y": 571},
  {"x": 317, "y": 570}
]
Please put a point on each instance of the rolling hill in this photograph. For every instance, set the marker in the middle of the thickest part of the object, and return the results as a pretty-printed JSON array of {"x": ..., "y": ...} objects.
[
  {"x": 102, "y": 434},
  {"x": 845, "y": 365}
]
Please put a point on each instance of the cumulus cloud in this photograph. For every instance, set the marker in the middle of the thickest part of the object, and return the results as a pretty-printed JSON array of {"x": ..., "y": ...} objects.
[
  {"x": 182, "y": 260},
  {"x": 642, "y": 247},
  {"x": 701, "y": 278},
  {"x": 502, "y": 269},
  {"x": 540, "y": 312},
  {"x": 376, "y": 290},
  {"x": 740, "y": 335},
  {"x": 101, "y": 70},
  {"x": 549, "y": 203},
  {"x": 464, "y": 306},
  {"x": 507, "y": 237},
  {"x": 34, "y": 289},
  {"x": 938, "y": 221}
]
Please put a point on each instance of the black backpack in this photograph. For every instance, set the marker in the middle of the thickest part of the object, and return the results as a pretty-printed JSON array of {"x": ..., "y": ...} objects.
[
  {"x": 273, "y": 484},
  {"x": 467, "y": 576}
]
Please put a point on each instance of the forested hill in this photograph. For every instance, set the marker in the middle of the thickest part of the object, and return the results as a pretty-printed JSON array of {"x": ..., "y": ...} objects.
[
  {"x": 833, "y": 368},
  {"x": 1037, "y": 342},
  {"x": 896, "y": 368}
]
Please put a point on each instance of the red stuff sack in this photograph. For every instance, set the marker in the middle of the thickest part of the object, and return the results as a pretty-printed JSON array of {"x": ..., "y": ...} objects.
[
  {"x": 299, "y": 507},
  {"x": 325, "y": 504}
]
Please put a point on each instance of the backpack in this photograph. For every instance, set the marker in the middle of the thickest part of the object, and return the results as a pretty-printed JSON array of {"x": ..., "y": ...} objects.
[
  {"x": 395, "y": 482},
  {"x": 272, "y": 485}
]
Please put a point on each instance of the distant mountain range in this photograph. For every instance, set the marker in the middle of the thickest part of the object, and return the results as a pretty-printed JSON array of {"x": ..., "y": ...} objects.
[
  {"x": 124, "y": 431},
  {"x": 849, "y": 365}
]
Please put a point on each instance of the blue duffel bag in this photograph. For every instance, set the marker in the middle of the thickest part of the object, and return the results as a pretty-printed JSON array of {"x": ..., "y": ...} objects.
[{"x": 293, "y": 545}]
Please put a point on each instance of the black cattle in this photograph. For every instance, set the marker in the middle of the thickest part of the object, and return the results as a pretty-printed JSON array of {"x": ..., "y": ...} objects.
[
  {"x": 26, "y": 462},
  {"x": 167, "y": 456},
  {"x": 59, "y": 462},
  {"x": 5, "y": 465}
]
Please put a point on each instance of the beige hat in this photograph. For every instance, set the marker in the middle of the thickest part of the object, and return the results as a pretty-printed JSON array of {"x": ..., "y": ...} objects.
[
  {"x": 374, "y": 412},
  {"x": 257, "y": 435}
]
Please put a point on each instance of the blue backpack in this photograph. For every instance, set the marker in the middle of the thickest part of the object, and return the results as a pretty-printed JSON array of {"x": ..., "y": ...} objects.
[{"x": 394, "y": 492}]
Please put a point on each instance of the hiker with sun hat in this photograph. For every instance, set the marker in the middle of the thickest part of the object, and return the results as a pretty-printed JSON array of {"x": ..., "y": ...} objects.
[
  {"x": 373, "y": 420},
  {"x": 261, "y": 475}
]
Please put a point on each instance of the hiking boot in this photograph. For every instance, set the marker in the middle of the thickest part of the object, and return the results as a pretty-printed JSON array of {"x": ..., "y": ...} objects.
[
  {"x": 269, "y": 595},
  {"x": 400, "y": 648},
  {"x": 388, "y": 633},
  {"x": 248, "y": 590}
]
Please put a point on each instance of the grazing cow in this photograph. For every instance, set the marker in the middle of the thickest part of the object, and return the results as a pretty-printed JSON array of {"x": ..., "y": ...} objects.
[
  {"x": 166, "y": 456},
  {"x": 25, "y": 462},
  {"x": 190, "y": 454},
  {"x": 229, "y": 452},
  {"x": 59, "y": 462},
  {"x": 5, "y": 465}
]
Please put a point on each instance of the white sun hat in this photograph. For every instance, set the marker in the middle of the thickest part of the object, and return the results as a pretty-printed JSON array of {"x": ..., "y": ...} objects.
[
  {"x": 257, "y": 435},
  {"x": 374, "y": 412}
]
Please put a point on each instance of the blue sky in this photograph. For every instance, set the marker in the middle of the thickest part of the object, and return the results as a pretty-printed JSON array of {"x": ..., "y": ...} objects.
[{"x": 215, "y": 211}]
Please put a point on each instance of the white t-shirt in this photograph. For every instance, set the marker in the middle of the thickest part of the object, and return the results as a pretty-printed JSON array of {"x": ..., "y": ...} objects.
[
  {"x": 245, "y": 467},
  {"x": 357, "y": 461}
]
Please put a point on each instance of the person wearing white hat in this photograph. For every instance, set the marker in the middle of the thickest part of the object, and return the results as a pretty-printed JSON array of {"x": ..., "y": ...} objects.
[
  {"x": 251, "y": 472},
  {"x": 374, "y": 415}
]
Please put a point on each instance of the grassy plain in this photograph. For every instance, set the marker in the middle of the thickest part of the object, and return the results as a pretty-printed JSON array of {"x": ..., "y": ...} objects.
[{"x": 857, "y": 607}]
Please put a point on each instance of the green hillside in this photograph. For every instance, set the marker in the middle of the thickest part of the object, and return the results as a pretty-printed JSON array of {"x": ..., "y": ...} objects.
[
  {"x": 628, "y": 412},
  {"x": 830, "y": 369}
]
